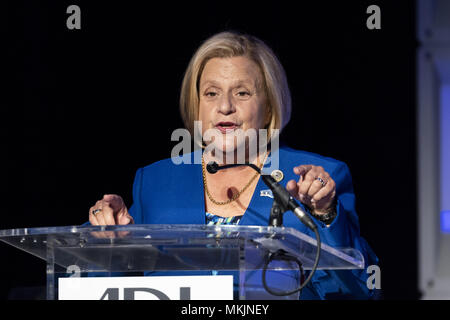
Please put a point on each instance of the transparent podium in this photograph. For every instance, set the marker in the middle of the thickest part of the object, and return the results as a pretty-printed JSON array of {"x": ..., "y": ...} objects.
[{"x": 175, "y": 261}]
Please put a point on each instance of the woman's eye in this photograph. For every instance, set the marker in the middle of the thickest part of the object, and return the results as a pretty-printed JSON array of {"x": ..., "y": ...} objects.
[
  {"x": 211, "y": 94},
  {"x": 243, "y": 93}
]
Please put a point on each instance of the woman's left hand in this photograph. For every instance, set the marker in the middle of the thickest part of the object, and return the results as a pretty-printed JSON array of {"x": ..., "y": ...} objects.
[{"x": 315, "y": 188}]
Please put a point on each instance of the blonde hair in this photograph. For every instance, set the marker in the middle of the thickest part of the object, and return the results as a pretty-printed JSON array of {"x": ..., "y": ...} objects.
[{"x": 233, "y": 44}]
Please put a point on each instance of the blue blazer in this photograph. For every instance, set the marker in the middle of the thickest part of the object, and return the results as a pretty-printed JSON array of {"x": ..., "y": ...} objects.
[{"x": 166, "y": 193}]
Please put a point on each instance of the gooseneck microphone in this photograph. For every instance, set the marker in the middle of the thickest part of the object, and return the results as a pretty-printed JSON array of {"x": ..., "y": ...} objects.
[
  {"x": 213, "y": 167},
  {"x": 282, "y": 196},
  {"x": 283, "y": 201}
]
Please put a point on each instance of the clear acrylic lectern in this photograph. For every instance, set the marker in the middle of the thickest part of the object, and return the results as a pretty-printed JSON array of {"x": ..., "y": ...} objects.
[{"x": 161, "y": 252}]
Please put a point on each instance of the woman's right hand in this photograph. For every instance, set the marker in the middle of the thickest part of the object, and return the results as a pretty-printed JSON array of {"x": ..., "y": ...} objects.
[{"x": 110, "y": 210}]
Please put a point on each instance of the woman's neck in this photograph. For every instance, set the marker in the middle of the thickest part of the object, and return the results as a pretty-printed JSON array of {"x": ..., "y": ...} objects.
[{"x": 232, "y": 158}]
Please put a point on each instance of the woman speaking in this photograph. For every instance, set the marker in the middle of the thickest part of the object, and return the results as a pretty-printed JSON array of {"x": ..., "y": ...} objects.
[{"x": 235, "y": 84}]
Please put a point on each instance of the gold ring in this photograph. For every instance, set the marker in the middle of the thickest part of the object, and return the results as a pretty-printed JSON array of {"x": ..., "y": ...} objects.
[
  {"x": 321, "y": 181},
  {"x": 94, "y": 212}
]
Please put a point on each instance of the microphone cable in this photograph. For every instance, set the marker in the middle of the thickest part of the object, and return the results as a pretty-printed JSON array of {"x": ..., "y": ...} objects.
[
  {"x": 213, "y": 167},
  {"x": 284, "y": 256}
]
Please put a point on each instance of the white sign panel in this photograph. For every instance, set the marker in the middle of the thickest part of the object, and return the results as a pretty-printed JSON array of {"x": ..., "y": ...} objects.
[{"x": 147, "y": 288}]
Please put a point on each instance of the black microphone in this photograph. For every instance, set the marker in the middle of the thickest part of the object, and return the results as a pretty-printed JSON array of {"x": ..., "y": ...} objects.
[
  {"x": 212, "y": 167},
  {"x": 283, "y": 199},
  {"x": 280, "y": 193},
  {"x": 287, "y": 201}
]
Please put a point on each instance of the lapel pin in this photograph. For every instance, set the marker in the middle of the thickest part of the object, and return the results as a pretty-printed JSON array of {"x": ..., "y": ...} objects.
[
  {"x": 277, "y": 175},
  {"x": 266, "y": 193}
]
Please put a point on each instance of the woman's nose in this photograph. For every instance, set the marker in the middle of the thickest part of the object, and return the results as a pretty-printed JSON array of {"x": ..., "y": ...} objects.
[{"x": 226, "y": 105}]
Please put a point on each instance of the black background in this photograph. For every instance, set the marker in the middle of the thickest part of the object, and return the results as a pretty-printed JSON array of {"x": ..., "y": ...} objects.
[{"x": 89, "y": 107}]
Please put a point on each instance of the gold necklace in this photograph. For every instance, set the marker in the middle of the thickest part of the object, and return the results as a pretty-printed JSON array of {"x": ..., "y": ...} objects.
[{"x": 237, "y": 195}]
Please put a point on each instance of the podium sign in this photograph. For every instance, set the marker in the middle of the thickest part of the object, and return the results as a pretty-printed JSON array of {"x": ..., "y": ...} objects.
[
  {"x": 173, "y": 261},
  {"x": 146, "y": 288}
]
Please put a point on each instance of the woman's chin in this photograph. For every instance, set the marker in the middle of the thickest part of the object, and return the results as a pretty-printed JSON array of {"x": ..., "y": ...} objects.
[{"x": 231, "y": 151}]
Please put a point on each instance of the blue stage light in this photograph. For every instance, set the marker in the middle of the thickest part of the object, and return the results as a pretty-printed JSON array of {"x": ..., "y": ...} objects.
[{"x": 445, "y": 221}]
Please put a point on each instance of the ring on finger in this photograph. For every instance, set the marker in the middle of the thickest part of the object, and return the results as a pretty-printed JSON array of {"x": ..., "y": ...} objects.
[
  {"x": 94, "y": 212},
  {"x": 321, "y": 181}
]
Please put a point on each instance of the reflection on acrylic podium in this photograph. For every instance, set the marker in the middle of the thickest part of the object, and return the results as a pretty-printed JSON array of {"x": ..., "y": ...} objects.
[{"x": 175, "y": 261}]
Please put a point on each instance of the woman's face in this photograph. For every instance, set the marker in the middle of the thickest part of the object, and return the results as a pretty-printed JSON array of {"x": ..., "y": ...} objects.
[{"x": 231, "y": 98}]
